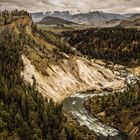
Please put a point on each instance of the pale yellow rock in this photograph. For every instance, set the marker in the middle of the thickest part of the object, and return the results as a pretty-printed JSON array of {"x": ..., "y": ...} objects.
[{"x": 71, "y": 75}]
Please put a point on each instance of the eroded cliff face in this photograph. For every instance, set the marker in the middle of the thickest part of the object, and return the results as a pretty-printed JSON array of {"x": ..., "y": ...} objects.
[{"x": 71, "y": 75}]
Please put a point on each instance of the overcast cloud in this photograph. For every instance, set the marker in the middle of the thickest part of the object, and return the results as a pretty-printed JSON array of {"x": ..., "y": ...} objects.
[{"x": 117, "y": 6}]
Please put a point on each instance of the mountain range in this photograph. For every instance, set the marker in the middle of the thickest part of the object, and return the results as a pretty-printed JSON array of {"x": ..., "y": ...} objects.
[{"x": 90, "y": 18}]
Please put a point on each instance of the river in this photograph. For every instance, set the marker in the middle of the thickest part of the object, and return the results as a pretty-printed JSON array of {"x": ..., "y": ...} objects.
[{"x": 74, "y": 105}]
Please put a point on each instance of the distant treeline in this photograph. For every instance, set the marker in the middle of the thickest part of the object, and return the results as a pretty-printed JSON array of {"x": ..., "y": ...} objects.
[
  {"x": 14, "y": 13},
  {"x": 119, "y": 45},
  {"x": 6, "y": 17}
]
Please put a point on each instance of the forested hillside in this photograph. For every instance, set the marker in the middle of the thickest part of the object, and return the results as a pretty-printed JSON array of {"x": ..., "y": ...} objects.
[
  {"x": 24, "y": 113},
  {"x": 119, "y": 45}
]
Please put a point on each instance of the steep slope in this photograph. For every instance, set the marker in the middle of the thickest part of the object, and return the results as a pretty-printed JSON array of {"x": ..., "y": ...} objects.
[
  {"x": 71, "y": 75},
  {"x": 56, "y": 68},
  {"x": 24, "y": 113},
  {"x": 51, "y": 61}
]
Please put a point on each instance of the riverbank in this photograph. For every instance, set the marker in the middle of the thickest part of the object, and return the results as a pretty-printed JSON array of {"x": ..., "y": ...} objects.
[
  {"x": 82, "y": 132},
  {"x": 74, "y": 106},
  {"x": 120, "y": 110}
]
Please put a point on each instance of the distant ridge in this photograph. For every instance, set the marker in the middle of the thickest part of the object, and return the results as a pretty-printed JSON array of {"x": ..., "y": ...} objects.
[
  {"x": 80, "y": 18},
  {"x": 89, "y": 18},
  {"x": 55, "y": 20},
  {"x": 135, "y": 16},
  {"x": 131, "y": 22},
  {"x": 94, "y": 17}
]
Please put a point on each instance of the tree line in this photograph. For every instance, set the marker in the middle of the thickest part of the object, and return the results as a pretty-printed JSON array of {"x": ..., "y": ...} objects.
[
  {"x": 115, "y": 44},
  {"x": 6, "y": 17}
]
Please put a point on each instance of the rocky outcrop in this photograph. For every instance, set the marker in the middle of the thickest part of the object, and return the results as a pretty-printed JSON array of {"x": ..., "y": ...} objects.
[{"x": 71, "y": 75}]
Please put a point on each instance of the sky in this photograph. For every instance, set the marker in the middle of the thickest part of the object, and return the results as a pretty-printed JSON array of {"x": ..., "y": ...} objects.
[{"x": 114, "y": 6}]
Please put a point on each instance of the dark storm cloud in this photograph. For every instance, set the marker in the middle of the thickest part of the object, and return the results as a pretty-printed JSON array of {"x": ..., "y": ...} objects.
[{"x": 120, "y": 6}]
